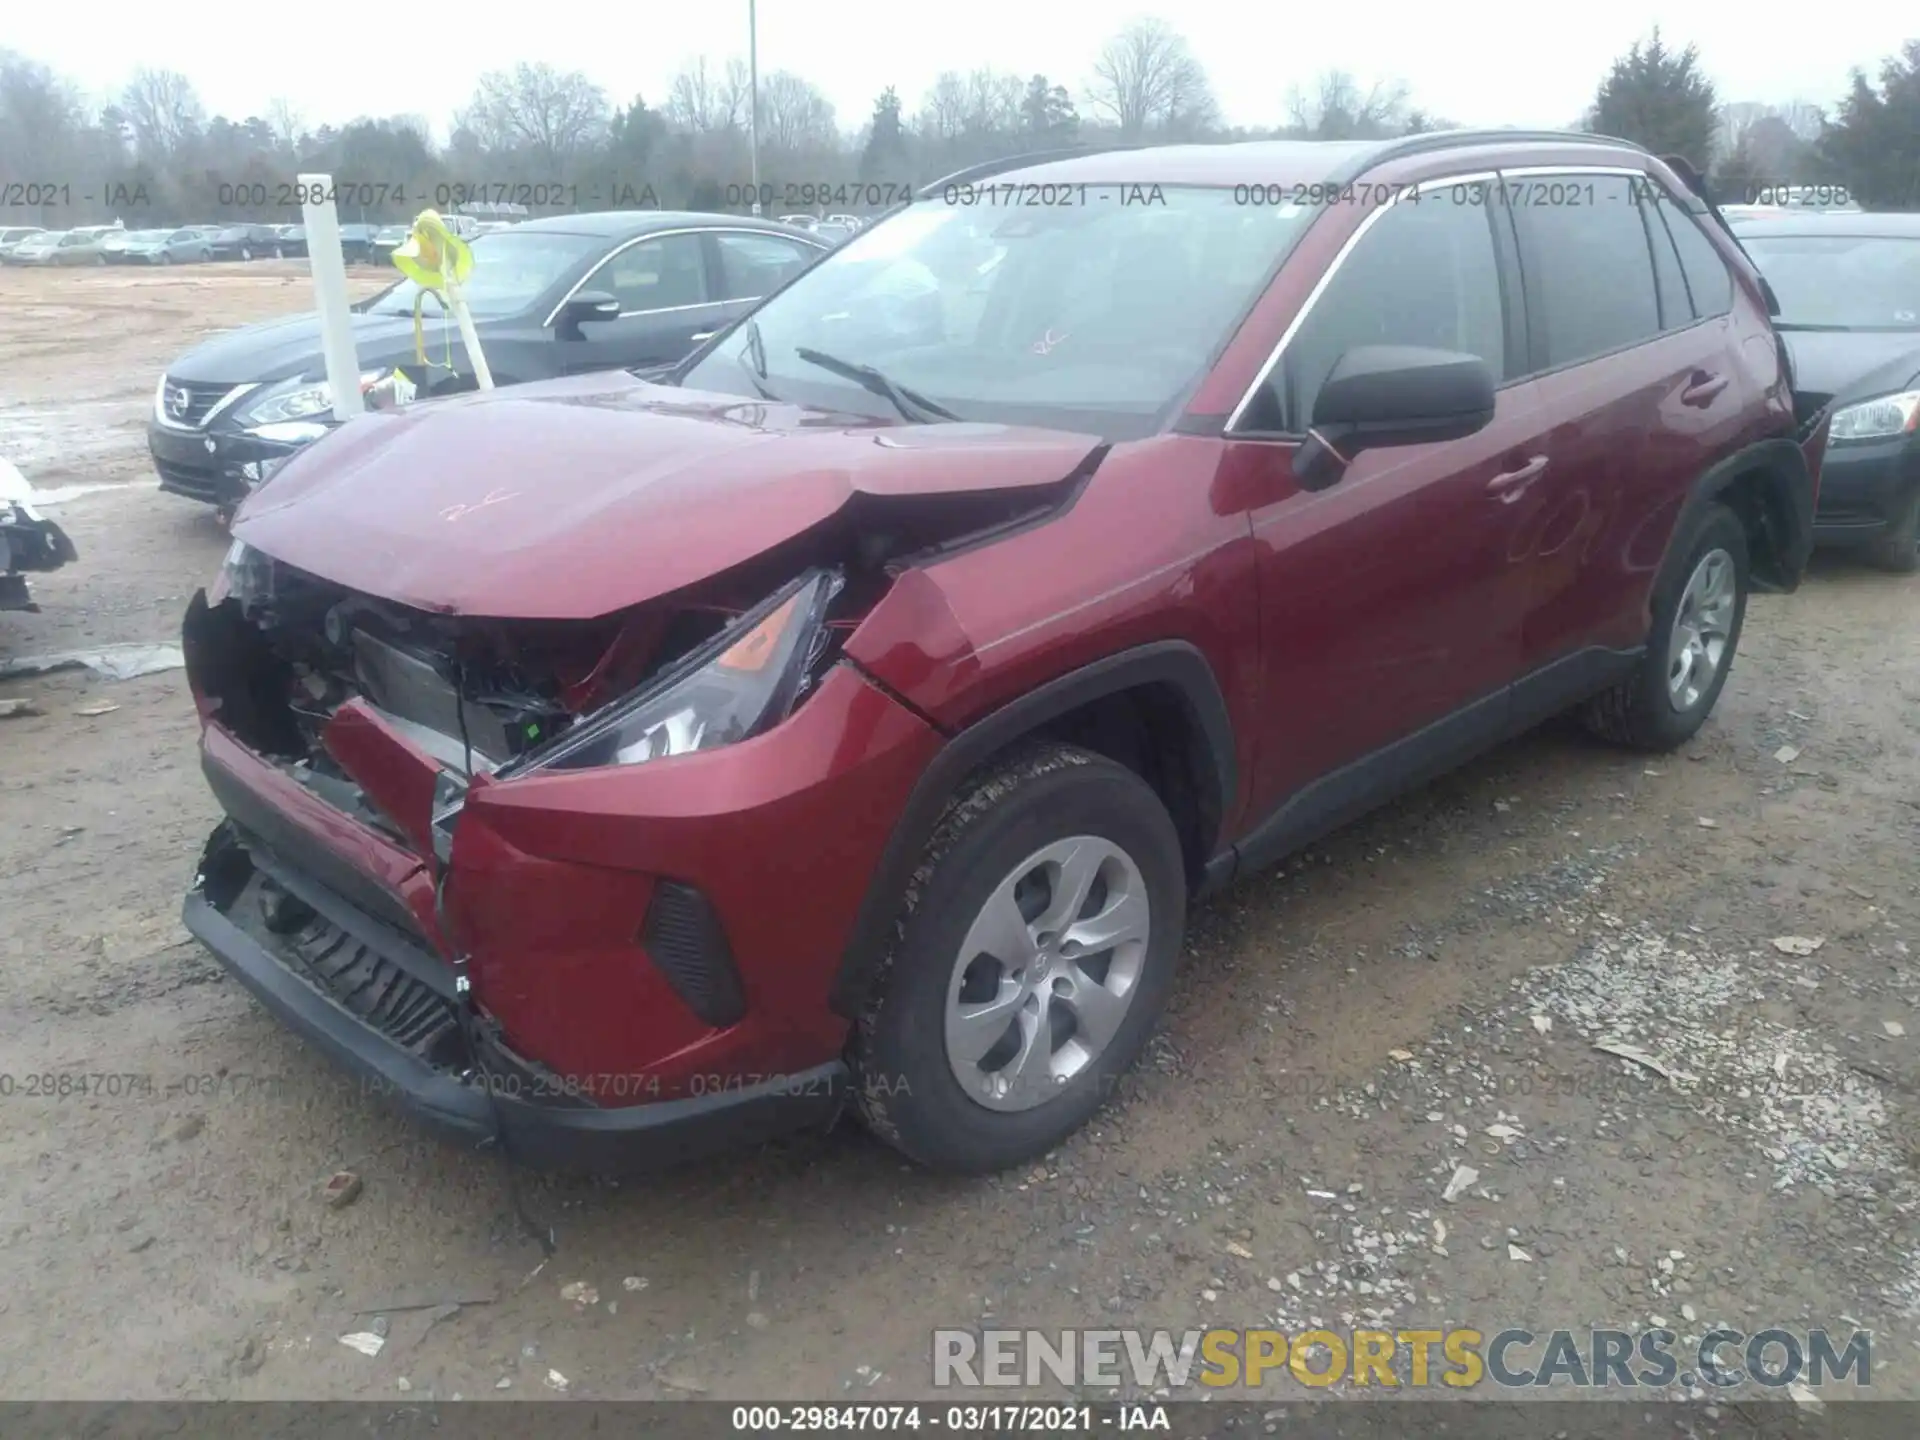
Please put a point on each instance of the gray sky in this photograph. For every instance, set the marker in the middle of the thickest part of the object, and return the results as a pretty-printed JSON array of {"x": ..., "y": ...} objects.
[{"x": 1511, "y": 63}]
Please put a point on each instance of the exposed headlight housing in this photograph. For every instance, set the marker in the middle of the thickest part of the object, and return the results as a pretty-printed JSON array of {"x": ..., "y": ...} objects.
[
  {"x": 742, "y": 682},
  {"x": 300, "y": 398},
  {"x": 1880, "y": 418}
]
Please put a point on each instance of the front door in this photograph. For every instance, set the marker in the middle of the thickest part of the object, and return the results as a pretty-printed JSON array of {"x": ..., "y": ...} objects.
[
  {"x": 1391, "y": 603},
  {"x": 666, "y": 299}
]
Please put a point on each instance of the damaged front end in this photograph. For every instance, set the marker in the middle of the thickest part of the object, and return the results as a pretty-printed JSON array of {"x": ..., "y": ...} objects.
[
  {"x": 414, "y": 798},
  {"x": 29, "y": 542}
]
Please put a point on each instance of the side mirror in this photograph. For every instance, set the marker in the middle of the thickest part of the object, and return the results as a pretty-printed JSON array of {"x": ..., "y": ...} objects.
[
  {"x": 588, "y": 305},
  {"x": 1380, "y": 395}
]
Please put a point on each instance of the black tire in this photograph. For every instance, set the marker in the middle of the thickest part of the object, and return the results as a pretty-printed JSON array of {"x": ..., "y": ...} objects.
[
  {"x": 245, "y": 253},
  {"x": 1897, "y": 548},
  {"x": 166, "y": 257},
  {"x": 904, "y": 1089},
  {"x": 1639, "y": 711}
]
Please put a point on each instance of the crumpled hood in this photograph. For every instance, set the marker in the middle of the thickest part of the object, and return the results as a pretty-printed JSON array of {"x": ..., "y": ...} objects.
[{"x": 575, "y": 498}]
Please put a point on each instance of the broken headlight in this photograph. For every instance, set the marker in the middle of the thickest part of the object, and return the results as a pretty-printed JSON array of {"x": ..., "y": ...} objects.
[{"x": 740, "y": 683}]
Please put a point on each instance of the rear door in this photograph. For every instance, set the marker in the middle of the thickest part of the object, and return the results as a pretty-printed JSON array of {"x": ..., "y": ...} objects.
[
  {"x": 666, "y": 298},
  {"x": 1390, "y": 604},
  {"x": 1637, "y": 376}
]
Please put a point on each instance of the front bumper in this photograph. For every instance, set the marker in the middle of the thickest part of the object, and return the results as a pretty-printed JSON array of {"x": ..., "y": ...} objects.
[
  {"x": 210, "y": 465},
  {"x": 1862, "y": 486},
  {"x": 406, "y": 1046},
  {"x": 666, "y": 933}
]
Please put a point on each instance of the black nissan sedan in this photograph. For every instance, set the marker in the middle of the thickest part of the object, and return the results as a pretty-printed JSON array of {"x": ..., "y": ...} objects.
[
  {"x": 550, "y": 297},
  {"x": 1849, "y": 291}
]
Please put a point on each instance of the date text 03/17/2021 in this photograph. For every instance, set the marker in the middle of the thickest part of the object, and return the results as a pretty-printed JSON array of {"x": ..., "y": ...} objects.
[{"x": 1003, "y": 1419}]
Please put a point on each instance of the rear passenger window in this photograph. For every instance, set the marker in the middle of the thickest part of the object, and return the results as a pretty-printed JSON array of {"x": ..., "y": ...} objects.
[
  {"x": 1423, "y": 274},
  {"x": 1589, "y": 270},
  {"x": 1707, "y": 276}
]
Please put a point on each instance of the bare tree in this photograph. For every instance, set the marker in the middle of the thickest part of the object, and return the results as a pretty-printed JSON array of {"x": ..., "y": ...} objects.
[
  {"x": 551, "y": 113},
  {"x": 287, "y": 124},
  {"x": 1334, "y": 107},
  {"x": 41, "y": 123},
  {"x": 794, "y": 115},
  {"x": 991, "y": 104},
  {"x": 164, "y": 110},
  {"x": 703, "y": 99},
  {"x": 1147, "y": 76},
  {"x": 943, "y": 113}
]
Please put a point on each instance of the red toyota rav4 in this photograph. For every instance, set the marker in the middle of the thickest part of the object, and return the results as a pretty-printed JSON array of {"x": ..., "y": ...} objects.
[{"x": 617, "y": 767}]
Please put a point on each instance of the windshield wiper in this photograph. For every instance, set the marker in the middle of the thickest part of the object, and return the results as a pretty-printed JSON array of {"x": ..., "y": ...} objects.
[{"x": 914, "y": 406}]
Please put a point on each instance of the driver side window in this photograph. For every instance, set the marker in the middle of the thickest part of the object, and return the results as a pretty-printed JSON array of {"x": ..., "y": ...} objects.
[{"x": 1424, "y": 274}]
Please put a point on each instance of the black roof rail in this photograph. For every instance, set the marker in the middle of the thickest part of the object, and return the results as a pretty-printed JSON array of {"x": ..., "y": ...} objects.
[{"x": 1006, "y": 163}]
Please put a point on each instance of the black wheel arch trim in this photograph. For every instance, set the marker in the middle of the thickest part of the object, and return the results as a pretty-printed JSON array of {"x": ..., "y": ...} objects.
[
  {"x": 1789, "y": 518},
  {"x": 1174, "y": 663}
]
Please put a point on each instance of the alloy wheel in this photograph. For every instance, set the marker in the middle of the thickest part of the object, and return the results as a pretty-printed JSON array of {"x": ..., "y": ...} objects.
[
  {"x": 1047, "y": 972},
  {"x": 1701, "y": 626}
]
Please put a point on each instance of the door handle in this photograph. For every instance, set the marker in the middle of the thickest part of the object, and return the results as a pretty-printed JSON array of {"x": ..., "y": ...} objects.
[
  {"x": 1509, "y": 483},
  {"x": 1703, "y": 388},
  {"x": 704, "y": 336}
]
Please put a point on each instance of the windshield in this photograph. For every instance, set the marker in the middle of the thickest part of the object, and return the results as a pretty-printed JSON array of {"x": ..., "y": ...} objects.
[
  {"x": 510, "y": 271},
  {"x": 1092, "y": 316},
  {"x": 1842, "y": 282}
]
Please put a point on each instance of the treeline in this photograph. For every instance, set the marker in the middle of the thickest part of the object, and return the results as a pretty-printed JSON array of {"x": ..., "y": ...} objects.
[{"x": 553, "y": 140}]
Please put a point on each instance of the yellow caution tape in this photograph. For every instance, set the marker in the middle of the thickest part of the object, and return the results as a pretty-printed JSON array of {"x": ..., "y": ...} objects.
[{"x": 433, "y": 257}]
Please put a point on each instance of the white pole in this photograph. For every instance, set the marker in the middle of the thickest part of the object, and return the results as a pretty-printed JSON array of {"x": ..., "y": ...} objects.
[
  {"x": 456, "y": 302},
  {"x": 753, "y": 106},
  {"x": 328, "y": 265}
]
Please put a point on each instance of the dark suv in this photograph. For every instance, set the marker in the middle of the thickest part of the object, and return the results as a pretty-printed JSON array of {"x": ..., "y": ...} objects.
[
  {"x": 1849, "y": 287},
  {"x": 615, "y": 768}
]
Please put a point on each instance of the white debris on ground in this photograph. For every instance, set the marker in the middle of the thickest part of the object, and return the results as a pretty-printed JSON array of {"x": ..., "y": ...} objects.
[{"x": 1818, "y": 1120}]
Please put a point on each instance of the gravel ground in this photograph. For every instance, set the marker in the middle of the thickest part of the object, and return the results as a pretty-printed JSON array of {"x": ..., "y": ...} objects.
[{"x": 1391, "y": 1087}]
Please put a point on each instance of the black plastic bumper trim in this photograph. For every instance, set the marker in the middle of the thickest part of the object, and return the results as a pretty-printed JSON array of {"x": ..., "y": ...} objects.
[{"x": 591, "y": 1140}]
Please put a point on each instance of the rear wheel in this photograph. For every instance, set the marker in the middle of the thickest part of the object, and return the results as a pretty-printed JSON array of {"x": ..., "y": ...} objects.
[
  {"x": 1033, "y": 954},
  {"x": 1898, "y": 547},
  {"x": 1699, "y": 606}
]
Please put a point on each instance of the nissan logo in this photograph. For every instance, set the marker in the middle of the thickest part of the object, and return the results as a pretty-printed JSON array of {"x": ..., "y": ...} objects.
[{"x": 177, "y": 400}]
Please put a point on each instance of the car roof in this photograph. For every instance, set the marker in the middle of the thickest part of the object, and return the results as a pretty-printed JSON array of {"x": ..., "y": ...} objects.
[
  {"x": 1828, "y": 222},
  {"x": 1257, "y": 162},
  {"x": 625, "y": 224}
]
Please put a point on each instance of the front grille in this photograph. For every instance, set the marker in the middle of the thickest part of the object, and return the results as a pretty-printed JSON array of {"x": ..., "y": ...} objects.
[
  {"x": 189, "y": 405},
  {"x": 369, "y": 985},
  {"x": 193, "y": 481}
]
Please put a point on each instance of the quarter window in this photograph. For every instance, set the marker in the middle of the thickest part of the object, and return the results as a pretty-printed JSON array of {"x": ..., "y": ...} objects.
[
  {"x": 1589, "y": 270},
  {"x": 1424, "y": 274},
  {"x": 1707, "y": 277}
]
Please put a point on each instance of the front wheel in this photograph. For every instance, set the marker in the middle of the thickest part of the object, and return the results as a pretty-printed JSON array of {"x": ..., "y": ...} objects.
[
  {"x": 245, "y": 254},
  {"x": 1699, "y": 607},
  {"x": 1034, "y": 952}
]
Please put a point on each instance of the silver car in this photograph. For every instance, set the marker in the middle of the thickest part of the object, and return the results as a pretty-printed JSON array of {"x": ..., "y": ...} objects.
[
  {"x": 168, "y": 247},
  {"x": 11, "y": 236},
  {"x": 37, "y": 249}
]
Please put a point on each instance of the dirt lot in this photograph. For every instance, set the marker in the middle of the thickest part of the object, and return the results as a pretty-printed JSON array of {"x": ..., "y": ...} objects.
[{"x": 1345, "y": 1035}]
